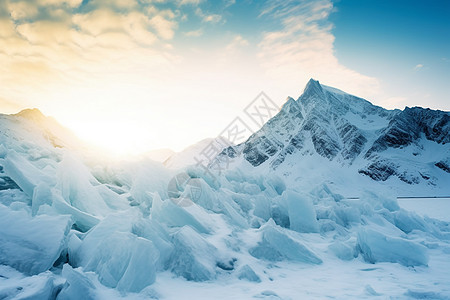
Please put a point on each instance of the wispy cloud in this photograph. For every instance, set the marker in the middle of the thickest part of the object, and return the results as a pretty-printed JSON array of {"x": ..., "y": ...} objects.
[
  {"x": 92, "y": 55},
  {"x": 418, "y": 67},
  {"x": 194, "y": 33},
  {"x": 66, "y": 43},
  {"x": 303, "y": 48},
  {"x": 207, "y": 17},
  {"x": 237, "y": 42},
  {"x": 189, "y": 2}
]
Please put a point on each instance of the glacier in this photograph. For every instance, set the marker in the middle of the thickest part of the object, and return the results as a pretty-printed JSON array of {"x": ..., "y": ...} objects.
[{"x": 302, "y": 211}]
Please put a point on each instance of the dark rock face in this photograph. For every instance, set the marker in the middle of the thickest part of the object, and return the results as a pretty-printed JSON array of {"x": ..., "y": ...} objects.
[
  {"x": 317, "y": 117},
  {"x": 230, "y": 152},
  {"x": 342, "y": 127},
  {"x": 408, "y": 126},
  {"x": 325, "y": 145},
  {"x": 443, "y": 166},
  {"x": 379, "y": 171},
  {"x": 353, "y": 139}
]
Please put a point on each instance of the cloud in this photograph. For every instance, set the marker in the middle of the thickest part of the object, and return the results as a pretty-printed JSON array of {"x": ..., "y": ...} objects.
[
  {"x": 164, "y": 27},
  {"x": 98, "y": 57},
  {"x": 49, "y": 45},
  {"x": 190, "y": 2},
  {"x": 303, "y": 48},
  {"x": 194, "y": 33},
  {"x": 22, "y": 10},
  {"x": 70, "y": 3},
  {"x": 211, "y": 18},
  {"x": 237, "y": 42},
  {"x": 418, "y": 67}
]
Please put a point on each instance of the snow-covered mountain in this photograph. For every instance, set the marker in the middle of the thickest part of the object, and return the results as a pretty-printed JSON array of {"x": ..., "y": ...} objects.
[
  {"x": 271, "y": 226},
  {"x": 190, "y": 154},
  {"x": 330, "y": 134},
  {"x": 160, "y": 155}
]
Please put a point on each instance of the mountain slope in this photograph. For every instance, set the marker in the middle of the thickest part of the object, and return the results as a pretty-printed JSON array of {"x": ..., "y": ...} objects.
[
  {"x": 352, "y": 138},
  {"x": 138, "y": 230}
]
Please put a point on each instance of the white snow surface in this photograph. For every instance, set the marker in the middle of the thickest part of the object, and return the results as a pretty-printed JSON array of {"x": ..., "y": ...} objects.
[{"x": 71, "y": 228}]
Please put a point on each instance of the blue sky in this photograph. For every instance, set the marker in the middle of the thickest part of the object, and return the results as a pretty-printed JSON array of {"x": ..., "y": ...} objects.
[
  {"x": 388, "y": 39},
  {"x": 139, "y": 74}
]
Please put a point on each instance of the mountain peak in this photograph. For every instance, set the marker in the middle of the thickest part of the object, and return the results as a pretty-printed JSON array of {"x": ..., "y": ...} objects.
[
  {"x": 287, "y": 106},
  {"x": 313, "y": 87},
  {"x": 31, "y": 114}
]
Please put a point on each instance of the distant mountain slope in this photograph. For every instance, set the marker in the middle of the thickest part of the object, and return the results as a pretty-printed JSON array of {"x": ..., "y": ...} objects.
[
  {"x": 36, "y": 137},
  {"x": 352, "y": 139},
  {"x": 189, "y": 155},
  {"x": 160, "y": 155}
]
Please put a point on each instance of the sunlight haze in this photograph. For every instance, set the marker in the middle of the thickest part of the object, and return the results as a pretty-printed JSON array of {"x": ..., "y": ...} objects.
[{"x": 138, "y": 75}]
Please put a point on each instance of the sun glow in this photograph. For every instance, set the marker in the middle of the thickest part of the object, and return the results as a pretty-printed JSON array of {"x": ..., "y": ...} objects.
[{"x": 119, "y": 138}]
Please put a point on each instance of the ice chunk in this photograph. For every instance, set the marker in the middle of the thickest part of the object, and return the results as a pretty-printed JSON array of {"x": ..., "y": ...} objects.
[
  {"x": 173, "y": 215},
  {"x": 262, "y": 207},
  {"x": 409, "y": 221},
  {"x": 82, "y": 220},
  {"x": 378, "y": 247},
  {"x": 26, "y": 175},
  {"x": 31, "y": 245},
  {"x": 198, "y": 191},
  {"x": 42, "y": 195},
  {"x": 155, "y": 232},
  {"x": 250, "y": 188},
  {"x": 345, "y": 215},
  {"x": 302, "y": 215},
  {"x": 121, "y": 259},
  {"x": 277, "y": 244},
  {"x": 280, "y": 211},
  {"x": 193, "y": 258},
  {"x": 124, "y": 261},
  {"x": 78, "y": 285},
  {"x": 14, "y": 285},
  {"x": 7, "y": 197},
  {"x": 146, "y": 177},
  {"x": 112, "y": 199},
  {"x": 343, "y": 250},
  {"x": 324, "y": 193},
  {"x": 378, "y": 201},
  {"x": 274, "y": 185},
  {"x": 247, "y": 273},
  {"x": 234, "y": 216},
  {"x": 74, "y": 181}
]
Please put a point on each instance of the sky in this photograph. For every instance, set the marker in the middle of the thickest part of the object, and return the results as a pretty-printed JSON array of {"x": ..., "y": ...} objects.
[{"x": 134, "y": 75}]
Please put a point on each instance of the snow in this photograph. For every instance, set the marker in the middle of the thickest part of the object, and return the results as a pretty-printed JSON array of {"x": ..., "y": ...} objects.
[
  {"x": 247, "y": 273},
  {"x": 78, "y": 228},
  {"x": 437, "y": 208},
  {"x": 14, "y": 285}
]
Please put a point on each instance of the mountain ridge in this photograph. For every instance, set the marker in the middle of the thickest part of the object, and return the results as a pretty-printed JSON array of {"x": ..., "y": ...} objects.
[{"x": 352, "y": 131}]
